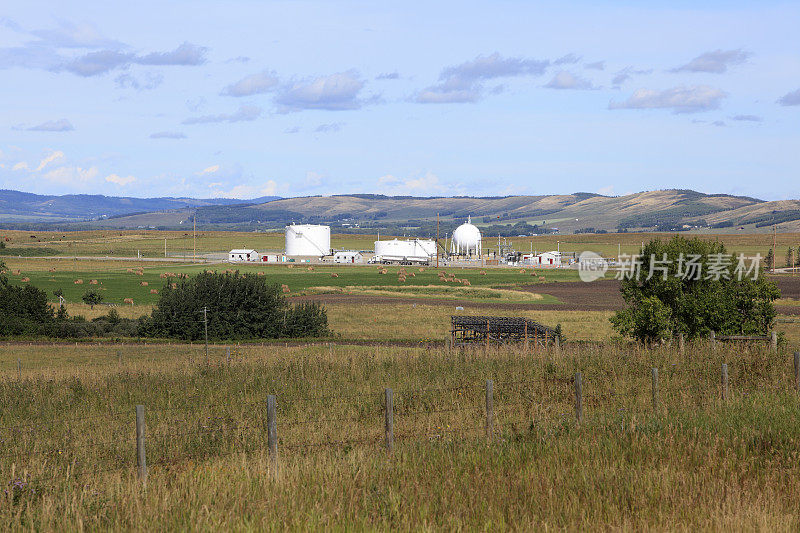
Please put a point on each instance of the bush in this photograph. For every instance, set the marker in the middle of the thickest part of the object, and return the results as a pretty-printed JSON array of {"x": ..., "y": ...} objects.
[
  {"x": 661, "y": 307},
  {"x": 238, "y": 307}
]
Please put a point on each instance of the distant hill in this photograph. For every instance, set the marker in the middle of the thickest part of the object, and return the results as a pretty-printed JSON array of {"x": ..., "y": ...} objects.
[
  {"x": 16, "y": 207},
  {"x": 664, "y": 210}
]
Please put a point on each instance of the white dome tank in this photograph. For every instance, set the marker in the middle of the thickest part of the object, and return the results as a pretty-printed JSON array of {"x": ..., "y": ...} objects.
[
  {"x": 466, "y": 239},
  {"x": 308, "y": 239}
]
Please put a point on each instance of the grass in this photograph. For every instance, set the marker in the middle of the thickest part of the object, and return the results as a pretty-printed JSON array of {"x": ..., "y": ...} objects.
[
  {"x": 439, "y": 292},
  {"x": 694, "y": 462},
  {"x": 115, "y": 282}
]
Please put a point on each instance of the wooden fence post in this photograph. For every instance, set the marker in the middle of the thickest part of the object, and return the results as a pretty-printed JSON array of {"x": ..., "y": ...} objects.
[
  {"x": 489, "y": 408},
  {"x": 19, "y": 369},
  {"x": 797, "y": 370},
  {"x": 724, "y": 381},
  {"x": 272, "y": 430},
  {"x": 654, "y": 375},
  {"x": 228, "y": 356},
  {"x": 579, "y": 396},
  {"x": 773, "y": 341},
  {"x": 713, "y": 339},
  {"x": 557, "y": 340},
  {"x": 141, "y": 458},
  {"x": 389, "y": 420}
]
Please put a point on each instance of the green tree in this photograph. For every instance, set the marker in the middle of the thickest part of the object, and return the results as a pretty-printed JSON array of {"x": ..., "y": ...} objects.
[
  {"x": 680, "y": 298},
  {"x": 769, "y": 260},
  {"x": 238, "y": 307},
  {"x": 92, "y": 298},
  {"x": 790, "y": 257},
  {"x": 23, "y": 310}
]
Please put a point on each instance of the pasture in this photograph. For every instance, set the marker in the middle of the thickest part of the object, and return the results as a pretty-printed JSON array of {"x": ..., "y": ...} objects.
[
  {"x": 181, "y": 244},
  {"x": 691, "y": 459}
]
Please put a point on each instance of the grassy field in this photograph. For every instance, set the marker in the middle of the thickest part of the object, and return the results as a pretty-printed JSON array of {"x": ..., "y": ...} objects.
[
  {"x": 181, "y": 244},
  {"x": 691, "y": 462},
  {"x": 116, "y": 283}
]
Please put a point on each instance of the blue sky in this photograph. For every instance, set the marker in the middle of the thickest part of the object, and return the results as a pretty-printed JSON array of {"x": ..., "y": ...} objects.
[{"x": 245, "y": 99}]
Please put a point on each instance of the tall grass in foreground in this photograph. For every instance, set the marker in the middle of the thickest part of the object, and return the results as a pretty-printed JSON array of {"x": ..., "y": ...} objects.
[{"x": 67, "y": 434}]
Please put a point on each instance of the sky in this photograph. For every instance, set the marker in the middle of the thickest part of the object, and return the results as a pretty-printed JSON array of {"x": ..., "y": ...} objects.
[{"x": 244, "y": 99}]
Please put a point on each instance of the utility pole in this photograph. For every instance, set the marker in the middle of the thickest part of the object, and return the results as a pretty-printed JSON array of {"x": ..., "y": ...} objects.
[
  {"x": 165, "y": 247},
  {"x": 205, "y": 323},
  {"x": 194, "y": 238},
  {"x": 437, "y": 240}
]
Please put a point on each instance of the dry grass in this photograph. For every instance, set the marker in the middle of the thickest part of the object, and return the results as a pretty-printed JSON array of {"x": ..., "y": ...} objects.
[{"x": 695, "y": 462}]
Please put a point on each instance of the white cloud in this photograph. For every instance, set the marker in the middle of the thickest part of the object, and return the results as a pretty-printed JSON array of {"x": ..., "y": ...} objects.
[
  {"x": 336, "y": 92},
  {"x": 680, "y": 99},
  {"x": 71, "y": 175},
  {"x": 715, "y": 62},
  {"x": 423, "y": 184},
  {"x": 53, "y": 157},
  {"x": 313, "y": 179},
  {"x": 567, "y": 80},
  {"x": 22, "y": 165},
  {"x": 244, "y": 113},
  {"x": 119, "y": 180},
  {"x": 262, "y": 82},
  {"x": 209, "y": 170},
  {"x": 53, "y": 125},
  {"x": 245, "y": 192},
  {"x": 792, "y": 98}
]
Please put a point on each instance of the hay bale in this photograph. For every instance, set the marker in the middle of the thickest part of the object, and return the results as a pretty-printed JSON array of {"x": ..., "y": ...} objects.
[
  {"x": 541, "y": 278},
  {"x": 17, "y": 272},
  {"x": 467, "y": 283},
  {"x": 521, "y": 270},
  {"x": 209, "y": 271},
  {"x": 286, "y": 289},
  {"x": 310, "y": 269},
  {"x": 291, "y": 266},
  {"x": 93, "y": 282},
  {"x": 144, "y": 284},
  {"x": 153, "y": 291},
  {"x": 128, "y": 301},
  {"x": 482, "y": 272},
  {"x": 174, "y": 285},
  {"x": 260, "y": 273},
  {"x": 421, "y": 269},
  {"x": 52, "y": 269},
  {"x": 78, "y": 282},
  {"x": 139, "y": 273},
  {"x": 334, "y": 275},
  {"x": 25, "y": 280}
]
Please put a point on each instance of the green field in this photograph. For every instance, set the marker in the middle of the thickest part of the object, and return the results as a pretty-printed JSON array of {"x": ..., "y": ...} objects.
[{"x": 116, "y": 284}]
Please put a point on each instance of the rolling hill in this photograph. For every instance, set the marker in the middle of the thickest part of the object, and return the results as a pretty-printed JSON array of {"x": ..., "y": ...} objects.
[{"x": 663, "y": 210}]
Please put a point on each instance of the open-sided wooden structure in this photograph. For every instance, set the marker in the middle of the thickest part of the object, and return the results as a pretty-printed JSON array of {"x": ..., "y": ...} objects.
[{"x": 470, "y": 330}]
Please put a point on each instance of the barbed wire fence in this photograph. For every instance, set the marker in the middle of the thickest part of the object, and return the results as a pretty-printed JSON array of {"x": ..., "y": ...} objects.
[{"x": 377, "y": 419}]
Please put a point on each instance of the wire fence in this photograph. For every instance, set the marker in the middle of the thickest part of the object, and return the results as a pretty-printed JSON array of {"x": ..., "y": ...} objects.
[{"x": 44, "y": 451}]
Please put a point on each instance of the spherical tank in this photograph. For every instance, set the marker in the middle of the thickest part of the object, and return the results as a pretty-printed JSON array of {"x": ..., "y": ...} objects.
[
  {"x": 308, "y": 239},
  {"x": 466, "y": 239}
]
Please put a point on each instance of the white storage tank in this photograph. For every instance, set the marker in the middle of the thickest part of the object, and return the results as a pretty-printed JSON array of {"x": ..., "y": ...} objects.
[
  {"x": 308, "y": 239},
  {"x": 466, "y": 239},
  {"x": 415, "y": 250}
]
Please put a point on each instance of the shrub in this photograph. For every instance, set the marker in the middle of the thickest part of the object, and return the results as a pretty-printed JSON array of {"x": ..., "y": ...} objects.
[{"x": 238, "y": 307}]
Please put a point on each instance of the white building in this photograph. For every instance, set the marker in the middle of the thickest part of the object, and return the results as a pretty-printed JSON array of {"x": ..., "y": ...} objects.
[
  {"x": 240, "y": 255},
  {"x": 546, "y": 259},
  {"x": 348, "y": 256}
]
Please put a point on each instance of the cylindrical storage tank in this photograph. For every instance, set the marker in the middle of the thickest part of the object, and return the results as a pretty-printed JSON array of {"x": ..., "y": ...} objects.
[{"x": 308, "y": 239}]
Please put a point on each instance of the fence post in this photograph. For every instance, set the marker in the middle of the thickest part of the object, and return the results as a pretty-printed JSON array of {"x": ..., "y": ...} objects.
[
  {"x": 773, "y": 340},
  {"x": 654, "y": 375},
  {"x": 681, "y": 343},
  {"x": 141, "y": 458},
  {"x": 713, "y": 338},
  {"x": 579, "y": 396},
  {"x": 389, "y": 420},
  {"x": 19, "y": 369},
  {"x": 724, "y": 381},
  {"x": 797, "y": 370},
  {"x": 557, "y": 340},
  {"x": 489, "y": 408},
  {"x": 272, "y": 430},
  {"x": 228, "y": 356}
]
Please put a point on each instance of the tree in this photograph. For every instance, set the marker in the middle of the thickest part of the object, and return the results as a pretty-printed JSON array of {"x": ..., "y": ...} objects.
[
  {"x": 790, "y": 257},
  {"x": 769, "y": 260},
  {"x": 23, "y": 310},
  {"x": 92, "y": 298},
  {"x": 237, "y": 307},
  {"x": 675, "y": 300}
]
